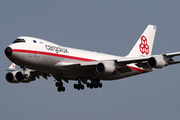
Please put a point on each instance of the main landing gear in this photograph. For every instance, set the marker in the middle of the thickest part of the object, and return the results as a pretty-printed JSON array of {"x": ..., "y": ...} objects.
[
  {"x": 60, "y": 86},
  {"x": 95, "y": 83},
  {"x": 79, "y": 86}
]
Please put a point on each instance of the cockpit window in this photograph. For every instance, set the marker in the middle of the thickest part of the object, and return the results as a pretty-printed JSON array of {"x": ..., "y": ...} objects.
[{"x": 19, "y": 40}]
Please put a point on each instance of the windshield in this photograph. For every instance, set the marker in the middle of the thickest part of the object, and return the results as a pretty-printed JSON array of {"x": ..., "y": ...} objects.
[{"x": 19, "y": 40}]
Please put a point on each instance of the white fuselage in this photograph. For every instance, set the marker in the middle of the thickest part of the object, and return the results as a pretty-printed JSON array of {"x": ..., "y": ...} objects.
[{"x": 48, "y": 57}]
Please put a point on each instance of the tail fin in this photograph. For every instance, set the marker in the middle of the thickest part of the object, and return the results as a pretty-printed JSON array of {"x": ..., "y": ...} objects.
[{"x": 144, "y": 44}]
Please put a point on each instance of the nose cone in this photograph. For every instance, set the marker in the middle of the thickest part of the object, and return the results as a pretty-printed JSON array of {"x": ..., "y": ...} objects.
[{"x": 8, "y": 51}]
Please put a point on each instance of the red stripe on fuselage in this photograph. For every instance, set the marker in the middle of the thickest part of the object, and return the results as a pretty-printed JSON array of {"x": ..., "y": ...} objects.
[{"x": 52, "y": 54}]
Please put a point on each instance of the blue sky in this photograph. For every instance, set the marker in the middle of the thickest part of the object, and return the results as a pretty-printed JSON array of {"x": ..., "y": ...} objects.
[{"x": 111, "y": 27}]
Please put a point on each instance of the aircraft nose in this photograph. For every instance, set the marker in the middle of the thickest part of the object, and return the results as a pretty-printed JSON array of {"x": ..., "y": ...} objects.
[{"x": 8, "y": 51}]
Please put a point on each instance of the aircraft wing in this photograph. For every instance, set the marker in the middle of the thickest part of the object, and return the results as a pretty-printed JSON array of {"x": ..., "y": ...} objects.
[
  {"x": 128, "y": 60},
  {"x": 167, "y": 57},
  {"x": 122, "y": 60},
  {"x": 89, "y": 68},
  {"x": 172, "y": 54}
]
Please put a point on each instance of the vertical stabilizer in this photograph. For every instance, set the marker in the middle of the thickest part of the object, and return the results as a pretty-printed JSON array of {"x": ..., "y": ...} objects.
[{"x": 144, "y": 44}]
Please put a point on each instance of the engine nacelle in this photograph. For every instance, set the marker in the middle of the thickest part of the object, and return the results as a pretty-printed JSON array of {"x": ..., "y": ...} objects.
[
  {"x": 18, "y": 76},
  {"x": 106, "y": 67},
  {"x": 10, "y": 77},
  {"x": 25, "y": 76},
  {"x": 157, "y": 62}
]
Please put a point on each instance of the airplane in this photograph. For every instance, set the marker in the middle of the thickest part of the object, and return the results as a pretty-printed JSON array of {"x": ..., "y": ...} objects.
[{"x": 37, "y": 57}]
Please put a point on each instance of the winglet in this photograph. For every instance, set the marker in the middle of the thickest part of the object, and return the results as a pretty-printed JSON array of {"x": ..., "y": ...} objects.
[
  {"x": 12, "y": 67},
  {"x": 144, "y": 45}
]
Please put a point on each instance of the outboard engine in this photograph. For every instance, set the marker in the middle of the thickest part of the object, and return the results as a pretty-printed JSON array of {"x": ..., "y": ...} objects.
[{"x": 157, "y": 62}]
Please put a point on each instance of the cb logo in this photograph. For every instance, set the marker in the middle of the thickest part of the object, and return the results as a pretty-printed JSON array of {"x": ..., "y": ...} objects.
[{"x": 144, "y": 47}]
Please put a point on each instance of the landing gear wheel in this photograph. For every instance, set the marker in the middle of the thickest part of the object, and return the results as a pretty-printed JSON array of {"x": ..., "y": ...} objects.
[
  {"x": 78, "y": 88},
  {"x": 88, "y": 85},
  {"x": 100, "y": 85},
  {"x": 63, "y": 89},
  {"x": 59, "y": 89},
  {"x": 82, "y": 87},
  {"x": 91, "y": 86},
  {"x": 57, "y": 84},
  {"x": 75, "y": 86},
  {"x": 96, "y": 85}
]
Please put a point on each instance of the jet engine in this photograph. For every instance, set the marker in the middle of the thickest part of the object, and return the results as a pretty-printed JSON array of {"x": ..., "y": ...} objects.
[
  {"x": 157, "y": 62},
  {"x": 105, "y": 67},
  {"x": 10, "y": 77},
  {"x": 20, "y": 76}
]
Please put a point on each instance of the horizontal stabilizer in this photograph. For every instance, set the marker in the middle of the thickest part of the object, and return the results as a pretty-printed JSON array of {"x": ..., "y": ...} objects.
[{"x": 12, "y": 67}]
